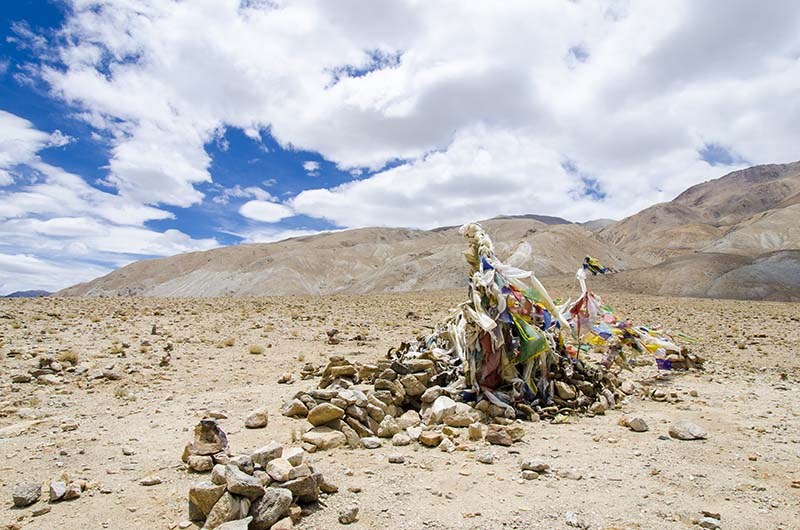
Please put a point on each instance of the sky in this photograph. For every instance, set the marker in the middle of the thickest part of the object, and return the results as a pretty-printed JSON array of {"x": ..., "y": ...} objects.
[{"x": 133, "y": 129}]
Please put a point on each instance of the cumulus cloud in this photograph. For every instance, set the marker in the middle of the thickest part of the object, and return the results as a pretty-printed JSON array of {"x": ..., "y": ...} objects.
[
  {"x": 311, "y": 167},
  {"x": 266, "y": 212},
  {"x": 630, "y": 92},
  {"x": 238, "y": 192}
]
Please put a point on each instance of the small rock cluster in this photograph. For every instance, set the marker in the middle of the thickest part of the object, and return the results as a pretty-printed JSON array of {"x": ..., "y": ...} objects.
[
  {"x": 47, "y": 370},
  {"x": 258, "y": 491},
  {"x": 63, "y": 489},
  {"x": 403, "y": 404}
]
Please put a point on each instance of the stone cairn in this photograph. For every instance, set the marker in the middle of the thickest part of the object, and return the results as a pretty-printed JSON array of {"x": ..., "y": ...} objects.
[
  {"x": 260, "y": 491},
  {"x": 505, "y": 355}
]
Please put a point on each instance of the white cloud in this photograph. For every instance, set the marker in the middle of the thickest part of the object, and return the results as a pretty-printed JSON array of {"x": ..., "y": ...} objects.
[
  {"x": 19, "y": 272},
  {"x": 269, "y": 235},
  {"x": 311, "y": 167},
  {"x": 266, "y": 212},
  {"x": 367, "y": 84},
  {"x": 238, "y": 192}
]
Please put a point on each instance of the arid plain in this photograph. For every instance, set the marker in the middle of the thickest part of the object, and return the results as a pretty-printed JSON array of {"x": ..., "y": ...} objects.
[{"x": 168, "y": 362}]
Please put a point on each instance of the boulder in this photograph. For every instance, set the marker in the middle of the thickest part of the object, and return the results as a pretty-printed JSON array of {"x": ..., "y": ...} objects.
[
  {"x": 202, "y": 498},
  {"x": 270, "y": 508},
  {"x": 324, "y": 438},
  {"x": 324, "y": 413}
]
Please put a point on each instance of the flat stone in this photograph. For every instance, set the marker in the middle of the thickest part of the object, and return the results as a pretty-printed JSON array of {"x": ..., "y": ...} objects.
[
  {"x": 430, "y": 438},
  {"x": 263, "y": 455},
  {"x": 324, "y": 438},
  {"x": 258, "y": 419},
  {"x": 200, "y": 463},
  {"x": 371, "y": 442},
  {"x": 324, "y": 413},
  {"x": 684, "y": 430},
  {"x": 270, "y": 508},
  {"x": 240, "y": 483},
  {"x": 279, "y": 469},
  {"x": 497, "y": 435}
]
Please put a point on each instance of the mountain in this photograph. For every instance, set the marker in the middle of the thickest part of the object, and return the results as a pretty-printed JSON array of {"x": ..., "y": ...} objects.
[
  {"x": 27, "y": 294},
  {"x": 737, "y": 236},
  {"x": 352, "y": 261}
]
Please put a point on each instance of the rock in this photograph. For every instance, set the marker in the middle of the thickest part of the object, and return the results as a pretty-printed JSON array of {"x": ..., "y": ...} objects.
[
  {"x": 564, "y": 390},
  {"x": 202, "y": 498},
  {"x": 598, "y": 408},
  {"x": 26, "y": 494},
  {"x": 684, "y": 430},
  {"x": 572, "y": 519},
  {"x": 637, "y": 424},
  {"x": 486, "y": 457},
  {"x": 530, "y": 464},
  {"x": 151, "y": 480},
  {"x": 38, "y": 512},
  {"x": 286, "y": 378},
  {"x": 240, "y": 483},
  {"x": 396, "y": 458},
  {"x": 629, "y": 387},
  {"x": 21, "y": 377},
  {"x": 328, "y": 487},
  {"x": 243, "y": 462},
  {"x": 69, "y": 424},
  {"x": 306, "y": 489},
  {"x": 414, "y": 432},
  {"x": 388, "y": 427},
  {"x": 371, "y": 442},
  {"x": 324, "y": 413},
  {"x": 324, "y": 438},
  {"x": 430, "y": 395},
  {"x": 294, "y": 409},
  {"x": 73, "y": 492},
  {"x": 279, "y": 469},
  {"x": 294, "y": 455},
  {"x": 412, "y": 385},
  {"x": 209, "y": 439},
  {"x": 258, "y": 419},
  {"x": 57, "y": 490},
  {"x": 227, "y": 508},
  {"x": 218, "y": 474},
  {"x": 710, "y": 522},
  {"x": 408, "y": 419},
  {"x": 127, "y": 451},
  {"x": 475, "y": 431},
  {"x": 48, "y": 379},
  {"x": 430, "y": 438},
  {"x": 263, "y": 455},
  {"x": 441, "y": 408},
  {"x": 239, "y": 524},
  {"x": 200, "y": 463},
  {"x": 348, "y": 514},
  {"x": 447, "y": 445},
  {"x": 530, "y": 475},
  {"x": 497, "y": 435},
  {"x": 516, "y": 431},
  {"x": 401, "y": 439},
  {"x": 283, "y": 524},
  {"x": 570, "y": 474},
  {"x": 270, "y": 508}
]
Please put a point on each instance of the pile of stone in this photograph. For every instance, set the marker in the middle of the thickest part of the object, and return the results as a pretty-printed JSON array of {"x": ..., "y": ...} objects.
[
  {"x": 47, "y": 370},
  {"x": 63, "y": 489},
  {"x": 259, "y": 491}
]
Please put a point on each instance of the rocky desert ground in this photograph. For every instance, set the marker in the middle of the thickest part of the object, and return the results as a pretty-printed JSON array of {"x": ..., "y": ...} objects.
[{"x": 127, "y": 379}]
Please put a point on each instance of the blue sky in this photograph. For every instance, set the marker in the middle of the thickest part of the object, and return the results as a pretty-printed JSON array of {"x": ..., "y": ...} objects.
[{"x": 131, "y": 130}]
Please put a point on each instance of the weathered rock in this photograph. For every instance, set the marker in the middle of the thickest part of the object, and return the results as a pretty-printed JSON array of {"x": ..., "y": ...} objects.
[
  {"x": 441, "y": 408},
  {"x": 401, "y": 439},
  {"x": 432, "y": 394},
  {"x": 218, "y": 474},
  {"x": 388, "y": 427},
  {"x": 516, "y": 431},
  {"x": 228, "y": 508},
  {"x": 279, "y": 469},
  {"x": 410, "y": 418},
  {"x": 628, "y": 387},
  {"x": 710, "y": 523},
  {"x": 371, "y": 442},
  {"x": 202, "y": 498},
  {"x": 396, "y": 458},
  {"x": 430, "y": 438},
  {"x": 294, "y": 455},
  {"x": 475, "y": 431},
  {"x": 270, "y": 508},
  {"x": 58, "y": 489},
  {"x": 497, "y": 435},
  {"x": 21, "y": 377},
  {"x": 239, "y": 524},
  {"x": 240, "y": 483},
  {"x": 258, "y": 419},
  {"x": 306, "y": 489},
  {"x": 530, "y": 475},
  {"x": 348, "y": 514},
  {"x": 324, "y": 438},
  {"x": 209, "y": 439},
  {"x": 324, "y": 413},
  {"x": 486, "y": 457},
  {"x": 294, "y": 409},
  {"x": 531, "y": 464},
  {"x": 263, "y": 455},
  {"x": 200, "y": 463},
  {"x": 637, "y": 424},
  {"x": 684, "y": 430},
  {"x": 597, "y": 408},
  {"x": 73, "y": 492},
  {"x": 26, "y": 494},
  {"x": 151, "y": 480},
  {"x": 284, "y": 524},
  {"x": 412, "y": 385},
  {"x": 243, "y": 462}
]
